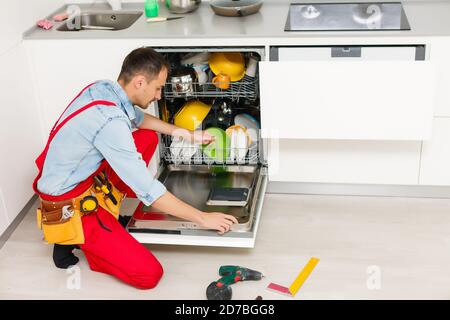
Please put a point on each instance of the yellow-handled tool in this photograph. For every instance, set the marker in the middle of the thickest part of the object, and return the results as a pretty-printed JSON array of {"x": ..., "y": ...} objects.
[{"x": 104, "y": 186}]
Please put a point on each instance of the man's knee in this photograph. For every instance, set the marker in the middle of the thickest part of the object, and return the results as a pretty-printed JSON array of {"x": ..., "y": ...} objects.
[
  {"x": 145, "y": 137},
  {"x": 146, "y": 141},
  {"x": 150, "y": 278}
]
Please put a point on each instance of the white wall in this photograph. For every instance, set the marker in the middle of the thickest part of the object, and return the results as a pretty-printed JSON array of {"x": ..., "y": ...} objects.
[
  {"x": 20, "y": 132},
  {"x": 16, "y": 16},
  {"x": 3, "y": 215}
]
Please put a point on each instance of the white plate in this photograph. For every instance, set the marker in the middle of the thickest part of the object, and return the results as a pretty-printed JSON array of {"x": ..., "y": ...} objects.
[
  {"x": 247, "y": 121},
  {"x": 182, "y": 150}
]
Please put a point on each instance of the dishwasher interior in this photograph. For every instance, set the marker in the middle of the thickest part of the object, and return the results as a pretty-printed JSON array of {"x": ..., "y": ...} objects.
[{"x": 217, "y": 90}]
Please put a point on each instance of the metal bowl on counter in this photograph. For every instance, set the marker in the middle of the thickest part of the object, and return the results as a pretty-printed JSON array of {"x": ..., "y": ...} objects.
[
  {"x": 235, "y": 8},
  {"x": 182, "y": 6}
]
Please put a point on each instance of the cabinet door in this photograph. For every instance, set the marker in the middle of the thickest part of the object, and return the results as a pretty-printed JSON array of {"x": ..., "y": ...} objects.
[
  {"x": 366, "y": 100},
  {"x": 435, "y": 159},
  {"x": 440, "y": 54},
  {"x": 344, "y": 161}
]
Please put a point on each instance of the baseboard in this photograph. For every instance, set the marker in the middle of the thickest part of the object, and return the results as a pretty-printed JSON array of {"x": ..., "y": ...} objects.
[{"x": 359, "y": 189}]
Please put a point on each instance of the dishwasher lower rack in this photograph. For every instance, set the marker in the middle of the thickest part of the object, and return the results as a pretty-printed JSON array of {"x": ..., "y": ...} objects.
[{"x": 193, "y": 154}]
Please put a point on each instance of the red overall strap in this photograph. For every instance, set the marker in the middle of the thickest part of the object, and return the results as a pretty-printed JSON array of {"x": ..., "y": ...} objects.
[
  {"x": 41, "y": 158},
  {"x": 79, "y": 94}
]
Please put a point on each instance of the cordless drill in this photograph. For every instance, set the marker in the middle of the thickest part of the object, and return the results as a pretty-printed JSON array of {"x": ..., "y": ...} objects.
[{"x": 221, "y": 290}]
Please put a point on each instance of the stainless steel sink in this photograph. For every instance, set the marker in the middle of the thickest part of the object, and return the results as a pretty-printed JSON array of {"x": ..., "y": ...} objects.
[{"x": 108, "y": 20}]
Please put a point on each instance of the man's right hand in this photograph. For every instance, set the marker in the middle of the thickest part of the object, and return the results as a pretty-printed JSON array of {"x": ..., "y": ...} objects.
[
  {"x": 170, "y": 204},
  {"x": 217, "y": 221}
]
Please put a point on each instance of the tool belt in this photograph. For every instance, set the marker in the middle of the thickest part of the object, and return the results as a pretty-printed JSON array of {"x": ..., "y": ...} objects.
[{"x": 61, "y": 221}]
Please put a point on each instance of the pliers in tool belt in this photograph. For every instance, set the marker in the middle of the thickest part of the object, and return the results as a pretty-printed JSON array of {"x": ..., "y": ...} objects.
[{"x": 102, "y": 184}]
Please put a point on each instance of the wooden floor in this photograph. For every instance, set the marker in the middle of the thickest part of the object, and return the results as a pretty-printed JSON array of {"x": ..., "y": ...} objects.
[{"x": 369, "y": 248}]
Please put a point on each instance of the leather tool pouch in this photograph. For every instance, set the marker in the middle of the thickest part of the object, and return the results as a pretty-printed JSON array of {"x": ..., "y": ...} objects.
[{"x": 57, "y": 229}]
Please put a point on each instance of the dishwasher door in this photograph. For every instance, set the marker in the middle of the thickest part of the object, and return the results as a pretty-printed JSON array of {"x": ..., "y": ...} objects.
[
  {"x": 348, "y": 93},
  {"x": 192, "y": 184}
]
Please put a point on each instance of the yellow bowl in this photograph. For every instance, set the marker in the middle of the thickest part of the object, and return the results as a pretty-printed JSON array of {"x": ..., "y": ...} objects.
[
  {"x": 191, "y": 115},
  {"x": 229, "y": 63}
]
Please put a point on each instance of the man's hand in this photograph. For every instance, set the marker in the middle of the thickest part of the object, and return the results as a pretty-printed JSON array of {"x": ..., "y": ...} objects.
[
  {"x": 170, "y": 204},
  {"x": 217, "y": 221},
  {"x": 201, "y": 137},
  {"x": 197, "y": 136}
]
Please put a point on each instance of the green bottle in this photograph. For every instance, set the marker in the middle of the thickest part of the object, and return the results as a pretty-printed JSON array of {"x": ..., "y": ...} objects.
[{"x": 151, "y": 8}]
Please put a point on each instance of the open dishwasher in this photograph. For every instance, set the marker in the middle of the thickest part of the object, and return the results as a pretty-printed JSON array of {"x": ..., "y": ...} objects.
[{"x": 232, "y": 179}]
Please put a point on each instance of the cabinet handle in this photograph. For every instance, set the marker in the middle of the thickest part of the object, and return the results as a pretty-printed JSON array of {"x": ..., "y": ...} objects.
[{"x": 346, "y": 52}]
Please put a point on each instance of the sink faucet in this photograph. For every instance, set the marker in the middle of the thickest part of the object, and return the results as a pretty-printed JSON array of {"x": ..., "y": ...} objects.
[{"x": 115, "y": 4}]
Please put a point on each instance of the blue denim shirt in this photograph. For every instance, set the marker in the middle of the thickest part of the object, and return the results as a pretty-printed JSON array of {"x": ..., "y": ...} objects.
[{"x": 100, "y": 132}]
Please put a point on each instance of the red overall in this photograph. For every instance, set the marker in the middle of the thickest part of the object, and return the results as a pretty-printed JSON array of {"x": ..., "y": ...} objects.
[{"x": 114, "y": 252}]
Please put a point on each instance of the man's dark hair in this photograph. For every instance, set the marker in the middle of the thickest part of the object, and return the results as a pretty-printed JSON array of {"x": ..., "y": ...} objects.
[{"x": 144, "y": 61}]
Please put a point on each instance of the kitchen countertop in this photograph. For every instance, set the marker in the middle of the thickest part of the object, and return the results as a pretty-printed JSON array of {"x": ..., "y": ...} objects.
[{"x": 427, "y": 18}]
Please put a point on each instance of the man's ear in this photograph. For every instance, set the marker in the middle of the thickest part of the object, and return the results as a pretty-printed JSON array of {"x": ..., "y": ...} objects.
[{"x": 139, "y": 81}]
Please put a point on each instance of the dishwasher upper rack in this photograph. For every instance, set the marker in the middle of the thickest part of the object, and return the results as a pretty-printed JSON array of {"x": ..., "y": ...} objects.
[
  {"x": 247, "y": 88},
  {"x": 172, "y": 155}
]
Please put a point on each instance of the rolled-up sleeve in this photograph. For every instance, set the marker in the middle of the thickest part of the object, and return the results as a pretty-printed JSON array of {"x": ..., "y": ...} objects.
[{"x": 115, "y": 142}]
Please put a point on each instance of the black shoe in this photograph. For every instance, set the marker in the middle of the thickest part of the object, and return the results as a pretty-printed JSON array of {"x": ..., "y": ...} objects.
[
  {"x": 123, "y": 220},
  {"x": 63, "y": 256}
]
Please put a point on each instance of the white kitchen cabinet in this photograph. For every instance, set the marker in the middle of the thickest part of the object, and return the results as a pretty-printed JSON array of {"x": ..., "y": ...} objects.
[
  {"x": 440, "y": 54},
  {"x": 435, "y": 159},
  {"x": 62, "y": 68},
  {"x": 366, "y": 100},
  {"x": 344, "y": 161},
  {"x": 346, "y": 114}
]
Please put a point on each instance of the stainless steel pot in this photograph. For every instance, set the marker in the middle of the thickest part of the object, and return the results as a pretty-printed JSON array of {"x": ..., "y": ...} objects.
[
  {"x": 182, "y": 6},
  {"x": 235, "y": 8},
  {"x": 183, "y": 82}
]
